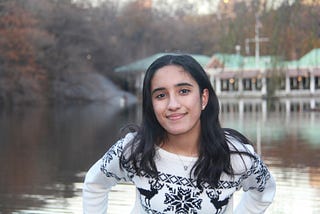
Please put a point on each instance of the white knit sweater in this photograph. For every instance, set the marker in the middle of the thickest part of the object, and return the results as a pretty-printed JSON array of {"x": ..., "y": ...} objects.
[{"x": 174, "y": 191}]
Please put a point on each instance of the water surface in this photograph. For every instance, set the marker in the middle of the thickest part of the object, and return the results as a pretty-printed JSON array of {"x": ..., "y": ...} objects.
[{"x": 45, "y": 153}]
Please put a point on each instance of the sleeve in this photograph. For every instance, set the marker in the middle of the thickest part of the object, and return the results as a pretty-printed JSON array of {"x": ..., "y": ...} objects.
[
  {"x": 101, "y": 177},
  {"x": 259, "y": 189}
]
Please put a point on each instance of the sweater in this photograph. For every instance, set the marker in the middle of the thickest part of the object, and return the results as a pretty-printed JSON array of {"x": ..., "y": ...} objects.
[{"x": 174, "y": 191}]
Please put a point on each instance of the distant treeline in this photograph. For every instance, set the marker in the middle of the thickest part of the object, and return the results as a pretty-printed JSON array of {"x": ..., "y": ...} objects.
[{"x": 44, "y": 42}]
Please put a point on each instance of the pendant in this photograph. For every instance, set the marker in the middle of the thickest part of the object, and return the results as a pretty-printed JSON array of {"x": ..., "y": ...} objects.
[{"x": 185, "y": 168}]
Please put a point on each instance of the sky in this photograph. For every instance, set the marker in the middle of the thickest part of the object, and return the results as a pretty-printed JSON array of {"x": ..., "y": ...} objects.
[{"x": 202, "y": 6}]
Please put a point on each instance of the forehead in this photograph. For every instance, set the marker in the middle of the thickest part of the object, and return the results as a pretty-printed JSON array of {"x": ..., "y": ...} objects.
[{"x": 171, "y": 75}]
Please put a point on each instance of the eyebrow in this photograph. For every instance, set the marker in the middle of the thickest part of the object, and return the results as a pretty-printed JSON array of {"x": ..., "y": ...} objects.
[{"x": 177, "y": 85}]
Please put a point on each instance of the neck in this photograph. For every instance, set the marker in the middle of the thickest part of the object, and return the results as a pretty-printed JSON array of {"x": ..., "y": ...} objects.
[{"x": 182, "y": 145}]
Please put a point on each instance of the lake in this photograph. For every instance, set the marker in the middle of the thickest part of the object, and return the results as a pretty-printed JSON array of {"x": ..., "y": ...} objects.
[{"x": 45, "y": 153}]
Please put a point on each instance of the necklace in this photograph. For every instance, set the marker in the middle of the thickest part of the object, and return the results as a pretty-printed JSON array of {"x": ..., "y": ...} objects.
[{"x": 185, "y": 167}]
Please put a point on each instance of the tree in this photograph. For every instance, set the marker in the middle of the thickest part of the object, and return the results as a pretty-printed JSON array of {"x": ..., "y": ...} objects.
[
  {"x": 22, "y": 78},
  {"x": 292, "y": 29}
]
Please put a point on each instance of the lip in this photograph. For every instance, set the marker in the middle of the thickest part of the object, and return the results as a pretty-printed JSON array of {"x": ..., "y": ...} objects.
[{"x": 176, "y": 116}]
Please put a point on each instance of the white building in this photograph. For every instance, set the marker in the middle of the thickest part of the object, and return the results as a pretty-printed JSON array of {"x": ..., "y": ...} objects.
[{"x": 240, "y": 79}]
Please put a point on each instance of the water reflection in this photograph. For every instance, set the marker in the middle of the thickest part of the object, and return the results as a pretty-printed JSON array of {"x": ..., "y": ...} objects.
[
  {"x": 45, "y": 152},
  {"x": 291, "y": 148}
]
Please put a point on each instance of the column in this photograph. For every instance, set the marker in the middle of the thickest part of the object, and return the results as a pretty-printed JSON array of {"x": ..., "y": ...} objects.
[
  {"x": 288, "y": 109},
  {"x": 137, "y": 84},
  {"x": 253, "y": 84},
  {"x": 140, "y": 81},
  {"x": 212, "y": 81},
  {"x": 264, "y": 85},
  {"x": 241, "y": 109},
  {"x": 287, "y": 84},
  {"x": 218, "y": 86},
  {"x": 240, "y": 90},
  {"x": 264, "y": 110},
  {"x": 312, "y": 83},
  {"x": 313, "y": 103}
]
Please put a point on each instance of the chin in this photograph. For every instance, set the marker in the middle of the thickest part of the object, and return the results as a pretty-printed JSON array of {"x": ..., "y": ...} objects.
[{"x": 177, "y": 132}]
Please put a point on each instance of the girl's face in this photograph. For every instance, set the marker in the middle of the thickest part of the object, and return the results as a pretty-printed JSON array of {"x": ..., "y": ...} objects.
[{"x": 176, "y": 100}]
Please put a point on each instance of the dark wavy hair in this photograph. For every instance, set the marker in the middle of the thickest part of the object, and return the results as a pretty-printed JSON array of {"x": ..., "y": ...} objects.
[{"x": 214, "y": 152}]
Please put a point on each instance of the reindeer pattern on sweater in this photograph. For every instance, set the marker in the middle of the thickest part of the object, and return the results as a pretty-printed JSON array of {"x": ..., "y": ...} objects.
[{"x": 173, "y": 191}]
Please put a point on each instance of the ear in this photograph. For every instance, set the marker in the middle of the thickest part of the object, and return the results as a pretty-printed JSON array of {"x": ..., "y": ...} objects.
[{"x": 204, "y": 98}]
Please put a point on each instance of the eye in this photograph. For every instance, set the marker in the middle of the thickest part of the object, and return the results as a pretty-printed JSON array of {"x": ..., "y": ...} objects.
[
  {"x": 184, "y": 91},
  {"x": 160, "y": 96}
]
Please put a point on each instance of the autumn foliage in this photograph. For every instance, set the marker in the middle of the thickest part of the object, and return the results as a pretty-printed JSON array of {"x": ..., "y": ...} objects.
[{"x": 22, "y": 78}]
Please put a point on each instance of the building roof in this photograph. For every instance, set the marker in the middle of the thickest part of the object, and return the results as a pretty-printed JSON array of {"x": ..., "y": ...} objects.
[
  {"x": 310, "y": 60},
  {"x": 233, "y": 62},
  {"x": 239, "y": 62},
  {"x": 143, "y": 64},
  {"x": 229, "y": 60}
]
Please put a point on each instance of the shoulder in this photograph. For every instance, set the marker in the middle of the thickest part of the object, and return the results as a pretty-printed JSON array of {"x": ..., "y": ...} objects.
[
  {"x": 126, "y": 140},
  {"x": 118, "y": 148},
  {"x": 237, "y": 146},
  {"x": 237, "y": 142}
]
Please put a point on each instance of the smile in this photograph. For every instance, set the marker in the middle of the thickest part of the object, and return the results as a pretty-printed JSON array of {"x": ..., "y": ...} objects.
[{"x": 176, "y": 116}]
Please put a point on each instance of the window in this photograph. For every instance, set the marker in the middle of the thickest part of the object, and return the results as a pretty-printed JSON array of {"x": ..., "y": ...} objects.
[
  {"x": 317, "y": 82},
  {"x": 229, "y": 84},
  {"x": 247, "y": 84},
  {"x": 258, "y": 84},
  {"x": 300, "y": 82}
]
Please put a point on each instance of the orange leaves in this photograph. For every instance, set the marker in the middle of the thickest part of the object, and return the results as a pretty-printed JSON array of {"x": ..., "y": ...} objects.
[{"x": 15, "y": 49}]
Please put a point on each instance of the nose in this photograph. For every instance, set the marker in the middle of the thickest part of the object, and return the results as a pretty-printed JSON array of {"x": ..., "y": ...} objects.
[{"x": 174, "y": 103}]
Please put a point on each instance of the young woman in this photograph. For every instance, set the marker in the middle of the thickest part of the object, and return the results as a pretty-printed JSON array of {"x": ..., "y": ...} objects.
[{"x": 180, "y": 159}]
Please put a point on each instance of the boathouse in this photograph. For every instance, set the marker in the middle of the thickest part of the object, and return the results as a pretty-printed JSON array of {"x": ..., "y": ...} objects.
[
  {"x": 243, "y": 83},
  {"x": 250, "y": 80}
]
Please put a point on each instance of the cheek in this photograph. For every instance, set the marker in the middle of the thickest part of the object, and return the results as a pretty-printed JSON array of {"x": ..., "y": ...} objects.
[
  {"x": 157, "y": 108},
  {"x": 195, "y": 103}
]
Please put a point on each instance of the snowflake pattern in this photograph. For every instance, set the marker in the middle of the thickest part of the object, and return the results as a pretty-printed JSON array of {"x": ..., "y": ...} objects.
[
  {"x": 181, "y": 195},
  {"x": 182, "y": 201}
]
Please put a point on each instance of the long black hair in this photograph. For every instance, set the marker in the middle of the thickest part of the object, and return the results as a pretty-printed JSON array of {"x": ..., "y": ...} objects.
[{"x": 214, "y": 152}]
